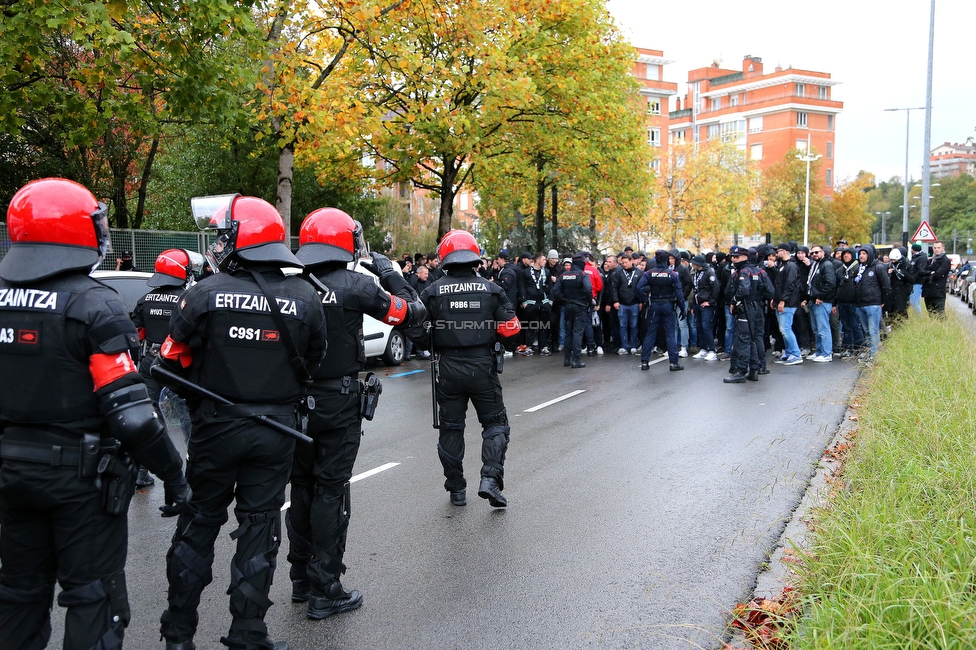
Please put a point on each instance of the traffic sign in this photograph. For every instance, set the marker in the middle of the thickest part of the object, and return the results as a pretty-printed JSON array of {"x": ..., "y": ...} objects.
[{"x": 924, "y": 233}]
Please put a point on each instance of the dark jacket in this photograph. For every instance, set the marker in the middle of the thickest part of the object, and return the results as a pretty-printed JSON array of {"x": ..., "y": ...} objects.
[
  {"x": 934, "y": 283},
  {"x": 920, "y": 263},
  {"x": 871, "y": 285},
  {"x": 623, "y": 285},
  {"x": 845, "y": 282},
  {"x": 822, "y": 281},
  {"x": 902, "y": 279},
  {"x": 574, "y": 285},
  {"x": 707, "y": 287},
  {"x": 787, "y": 284},
  {"x": 507, "y": 279}
]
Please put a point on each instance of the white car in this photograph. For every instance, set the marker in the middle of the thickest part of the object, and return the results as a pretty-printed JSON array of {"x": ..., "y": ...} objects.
[{"x": 381, "y": 340}]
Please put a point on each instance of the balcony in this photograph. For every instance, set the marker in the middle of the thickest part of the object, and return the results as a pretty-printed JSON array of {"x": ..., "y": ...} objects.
[
  {"x": 727, "y": 79},
  {"x": 684, "y": 112}
]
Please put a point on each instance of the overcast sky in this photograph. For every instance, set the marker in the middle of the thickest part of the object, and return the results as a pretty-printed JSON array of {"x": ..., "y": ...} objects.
[{"x": 876, "y": 49}]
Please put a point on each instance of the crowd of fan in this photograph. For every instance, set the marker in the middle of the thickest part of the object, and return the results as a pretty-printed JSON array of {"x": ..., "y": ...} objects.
[{"x": 827, "y": 302}]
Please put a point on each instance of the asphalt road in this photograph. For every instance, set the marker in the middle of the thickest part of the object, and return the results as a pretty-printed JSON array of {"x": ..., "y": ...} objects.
[{"x": 639, "y": 513}]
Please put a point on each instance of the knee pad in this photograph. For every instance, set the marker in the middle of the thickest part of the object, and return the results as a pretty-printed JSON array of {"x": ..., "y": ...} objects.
[
  {"x": 111, "y": 589},
  {"x": 449, "y": 461},
  {"x": 331, "y": 522},
  {"x": 260, "y": 531},
  {"x": 496, "y": 419},
  {"x": 493, "y": 449}
]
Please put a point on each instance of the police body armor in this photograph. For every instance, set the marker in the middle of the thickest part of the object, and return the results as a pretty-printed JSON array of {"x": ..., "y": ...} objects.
[
  {"x": 44, "y": 380},
  {"x": 349, "y": 296},
  {"x": 243, "y": 350},
  {"x": 463, "y": 307},
  {"x": 157, "y": 310},
  {"x": 572, "y": 287},
  {"x": 660, "y": 285}
]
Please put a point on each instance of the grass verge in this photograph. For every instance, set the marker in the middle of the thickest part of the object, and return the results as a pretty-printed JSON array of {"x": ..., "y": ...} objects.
[{"x": 894, "y": 556}]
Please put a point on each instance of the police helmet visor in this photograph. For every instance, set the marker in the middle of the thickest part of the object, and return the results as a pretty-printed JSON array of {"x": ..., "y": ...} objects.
[
  {"x": 213, "y": 212},
  {"x": 220, "y": 251},
  {"x": 100, "y": 220},
  {"x": 360, "y": 247},
  {"x": 196, "y": 263}
]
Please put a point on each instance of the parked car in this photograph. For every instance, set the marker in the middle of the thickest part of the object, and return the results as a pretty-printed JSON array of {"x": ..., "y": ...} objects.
[{"x": 382, "y": 341}]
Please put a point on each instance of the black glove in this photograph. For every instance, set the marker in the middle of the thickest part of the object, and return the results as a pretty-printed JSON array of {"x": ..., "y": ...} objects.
[
  {"x": 381, "y": 266},
  {"x": 682, "y": 313},
  {"x": 178, "y": 494}
]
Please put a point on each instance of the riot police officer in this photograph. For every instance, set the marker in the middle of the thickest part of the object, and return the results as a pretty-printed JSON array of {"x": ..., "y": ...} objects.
[
  {"x": 661, "y": 288},
  {"x": 575, "y": 290},
  {"x": 73, "y": 411},
  {"x": 251, "y": 334},
  {"x": 151, "y": 316},
  {"x": 318, "y": 518},
  {"x": 467, "y": 314},
  {"x": 749, "y": 287}
]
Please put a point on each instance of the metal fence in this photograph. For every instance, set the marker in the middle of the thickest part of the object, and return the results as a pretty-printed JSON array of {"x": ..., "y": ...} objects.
[{"x": 145, "y": 245}]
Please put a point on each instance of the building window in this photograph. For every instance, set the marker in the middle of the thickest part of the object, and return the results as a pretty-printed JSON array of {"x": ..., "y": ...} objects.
[
  {"x": 801, "y": 119},
  {"x": 733, "y": 130},
  {"x": 653, "y": 106},
  {"x": 801, "y": 146},
  {"x": 822, "y": 92},
  {"x": 830, "y": 122},
  {"x": 755, "y": 124},
  {"x": 755, "y": 151},
  {"x": 653, "y": 71},
  {"x": 716, "y": 103},
  {"x": 464, "y": 201},
  {"x": 654, "y": 137},
  {"x": 830, "y": 150},
  {"x": 656, "y": 164},
  {"x": 800, "y": 88},
  {"x": 714, "y": 130},
  {"x": 830, "y": 178},
  {"x": 734, "y": 100}
]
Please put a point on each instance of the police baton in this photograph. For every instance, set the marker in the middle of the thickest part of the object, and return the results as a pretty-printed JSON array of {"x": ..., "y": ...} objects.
[{"x": 162, "y": 374}]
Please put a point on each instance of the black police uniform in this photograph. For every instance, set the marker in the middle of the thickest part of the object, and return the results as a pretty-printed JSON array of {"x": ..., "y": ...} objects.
[
  {"x": 748, "y": 289},
  {"x": 464, "y": 311},
  {"x": 663, "y": 291},
  {"x": 318, "y": 518},
  {"x": 575, "y": 290},
  {"x": 57, "y": 335},
  {"x": 238, "y": 352},
  {"x": 151, "y": 317}
]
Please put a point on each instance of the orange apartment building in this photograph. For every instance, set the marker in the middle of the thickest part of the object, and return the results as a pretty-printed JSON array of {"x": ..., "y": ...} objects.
[
  {"x": 765, "y": 113},
  {"x": 649, "y": 71},
  {"x": 951, "y": 160}
]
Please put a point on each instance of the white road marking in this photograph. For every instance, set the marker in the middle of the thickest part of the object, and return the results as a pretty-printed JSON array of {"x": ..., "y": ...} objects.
[
  {"x": 357, "y": 477},
  {"x": 554, "y": 401},
  {"x": 664, "y": 358}
]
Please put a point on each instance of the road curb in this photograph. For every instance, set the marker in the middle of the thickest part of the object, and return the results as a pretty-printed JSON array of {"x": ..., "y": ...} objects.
[{"x": 797, "y": 534}]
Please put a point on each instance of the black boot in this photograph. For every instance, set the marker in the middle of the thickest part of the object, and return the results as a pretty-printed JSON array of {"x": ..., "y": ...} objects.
[
  {"x": 335, "y": 601},
  {"x": 490, "y": 490},
  {"x": 459, "y": 498},
  {"x": 144, "y": 478},
  {"x": 738, "y": 378},
  {"x": 566, "y": 361},
  {"x": 753, "y": 375},
  {"x": 676, "y": 366},
  {"x": 185, "y": 645},
  {"x": 299, "y": 591},
  {"x": 764, "y": 370},
  {"x": 645, "y": 365},
  {"x": 577, "y": 363}
]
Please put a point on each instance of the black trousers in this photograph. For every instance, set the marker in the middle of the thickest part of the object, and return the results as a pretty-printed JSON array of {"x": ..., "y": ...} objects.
[
  {"x": 661, "y": 315},
  {"x": 230, "y": 458},
  {"x": 576, "y": 316},
  {"x": 537, "y": 326},
  {"x": 318, "y": 518},
  {"x": 462, "y": 379},
  {"x": 53, "y": 527},
  {"x": 748, "y": 350}
]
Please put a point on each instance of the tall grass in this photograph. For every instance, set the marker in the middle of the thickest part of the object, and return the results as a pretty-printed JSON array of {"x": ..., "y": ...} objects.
[{"x": 894, "y": 556}]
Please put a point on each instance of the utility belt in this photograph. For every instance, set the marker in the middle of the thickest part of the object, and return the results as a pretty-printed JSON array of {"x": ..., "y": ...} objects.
[
  {"x": 474, "y": 351},
  {"x": 344, "y": 385},
  {"x": 245, "y": 410},
  {"x": 660, "y": 300},
  {"x": 93, "y": 457},
  {"x": 369, "y": 390}
]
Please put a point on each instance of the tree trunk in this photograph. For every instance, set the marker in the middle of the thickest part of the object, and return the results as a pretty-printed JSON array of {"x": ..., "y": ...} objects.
[
  {"x": 540, "y": 215},
  {"x": 144, "y": 183},
  {"x": 447, "y": 191},
  {"x": 286, "y": 170},
  {"x": 593, "y": 242},
  {"x": 555, "y": 217}
]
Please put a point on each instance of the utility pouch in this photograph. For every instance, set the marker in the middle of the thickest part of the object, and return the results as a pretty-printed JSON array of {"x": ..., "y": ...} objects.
[
  {"x": 369, "y": 395},
  {"x": 118, "y": 477},
  {"x": 499, "y": 357},
  {"x": 91, "y": 448},
  {"x": 305, "y": 406}
]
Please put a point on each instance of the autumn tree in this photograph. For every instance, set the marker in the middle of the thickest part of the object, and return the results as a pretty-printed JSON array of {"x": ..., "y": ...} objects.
[
  {"x": 846, "y": 215},
  {"x": 705, "y": 192},
  {"x": 783, "y": 195}
]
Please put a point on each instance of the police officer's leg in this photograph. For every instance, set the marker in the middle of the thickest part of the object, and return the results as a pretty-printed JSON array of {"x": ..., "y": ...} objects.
[
  {"x": 336, "y": 449},
  {"x": 452, "y": 404},
  {"x": 756, "y": 349},
  {"x": 653, "y": 321},
  {"x": 91, "y": 548},
  {"x": 669, "y": 321},
  {"x": 486, "y": 395},
  {"x": 579, "y": 327},
  {"x": 261, "y": 480},
  {"x": 569, "y": 318},
  {"x": 741, "y": 348},
  {"x": 214, "y": 451},
  {"x": 298, "y": 517},
  {"x": 27, "y": 562}
]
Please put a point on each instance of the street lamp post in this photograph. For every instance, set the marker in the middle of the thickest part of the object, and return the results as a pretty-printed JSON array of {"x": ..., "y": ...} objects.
[
  {"x": 908, "y": 122},
  {"x": 808, "y": 158},
  {"x": 884, "y": 227}
]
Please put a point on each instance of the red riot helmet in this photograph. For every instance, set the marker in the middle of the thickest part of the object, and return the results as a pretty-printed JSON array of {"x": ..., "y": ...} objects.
[
  {"x": 458, "y": 247},
  {"x": 55, "y": 225},
  {"x": 250, "y": 229},
  {"x": 174, "y": 268},
  {"x": 330, "y": 235}
]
